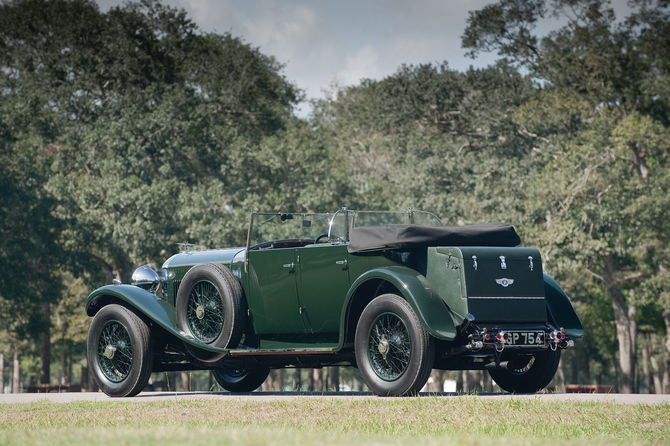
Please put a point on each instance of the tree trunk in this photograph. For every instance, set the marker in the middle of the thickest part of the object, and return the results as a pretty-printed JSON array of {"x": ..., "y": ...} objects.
[
  {"x": 16, "y": 374},
  {"x": 333, "y": 379},
  {"x": 438, "y": 381},
  {"x": 560, "y": 378},
  {"x": 310, "y": 380},
  {"x": 633, "y": 348},
  {"x": 461, "y": 381},
  {"x": 646, "y": 370},
  {"x": 487, "y": 382},
  {"x": 185, "y": 381},
  {"x": 473, "y": 381},
  {"x": 666, "y": 372},
  {"x": 268, "y": 384},
  {"x": 66, "y": 365},
  {"x": 84, "y": 374},
  {"x": 623, "y": 327},
  {"x": 317, "y": 376},
  {"x": 297, "y": 380},
  {"x": 279, "y": 380},
  {"x": 45, "y": 371},
  {"x": 2, "y": 373}
]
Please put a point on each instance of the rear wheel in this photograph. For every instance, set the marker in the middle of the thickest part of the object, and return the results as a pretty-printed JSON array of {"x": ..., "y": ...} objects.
[
  {"x": 240, "y": 380},
  {"x": 119, "y": 351},
  {"x": 528, "y": 374},
  {"x": 394, "y": 353}
]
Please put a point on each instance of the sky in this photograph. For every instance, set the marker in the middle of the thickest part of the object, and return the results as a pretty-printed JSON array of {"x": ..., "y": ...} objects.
[{"x": 325, "y": 43}]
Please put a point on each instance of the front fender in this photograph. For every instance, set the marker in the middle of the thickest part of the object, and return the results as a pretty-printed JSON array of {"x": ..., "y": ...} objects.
[
  {"x": 154, "y": 308},
  {"x": 560, "y": 309},
  {"x": 426, "y": 302}
]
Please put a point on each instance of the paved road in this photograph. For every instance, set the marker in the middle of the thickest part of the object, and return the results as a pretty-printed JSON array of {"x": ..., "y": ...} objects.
[{"x": 283, "y": 396}]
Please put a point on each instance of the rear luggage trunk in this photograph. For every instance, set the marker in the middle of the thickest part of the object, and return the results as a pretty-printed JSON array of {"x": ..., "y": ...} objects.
[{"x": 496, "y": 285}]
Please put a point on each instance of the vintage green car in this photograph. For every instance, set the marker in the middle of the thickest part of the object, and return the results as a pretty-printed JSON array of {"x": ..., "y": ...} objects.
[{"x": 395, "y": 294}]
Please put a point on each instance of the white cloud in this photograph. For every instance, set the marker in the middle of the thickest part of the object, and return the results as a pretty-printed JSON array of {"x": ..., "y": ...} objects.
[{"x": 362, "y": 65}]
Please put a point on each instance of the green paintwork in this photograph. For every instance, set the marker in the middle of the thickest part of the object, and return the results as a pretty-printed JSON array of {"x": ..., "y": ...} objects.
[
  {"x": 560, "y": 309},
  {"x": 476, "y": 291},
  {"x": 272, "y": 294},
  {"x": 418, "y": 291},
  {"x": 323, "y": 286},
  {"x": 155, "y": 308}
]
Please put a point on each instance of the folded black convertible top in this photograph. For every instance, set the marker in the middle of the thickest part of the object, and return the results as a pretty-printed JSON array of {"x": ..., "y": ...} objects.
[{"x": 375, "y": 238}]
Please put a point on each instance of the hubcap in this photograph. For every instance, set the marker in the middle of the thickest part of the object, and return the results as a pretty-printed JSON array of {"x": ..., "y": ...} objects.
[
  {"x": 115, "y": 351},
  {"x": 205, "y": 312},
  {"x": 389, "y": 347},
  {"x": 109, "y": 352}
]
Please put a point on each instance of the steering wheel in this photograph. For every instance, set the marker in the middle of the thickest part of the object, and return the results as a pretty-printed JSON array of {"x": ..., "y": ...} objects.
[{"x": 316, "y": 240}]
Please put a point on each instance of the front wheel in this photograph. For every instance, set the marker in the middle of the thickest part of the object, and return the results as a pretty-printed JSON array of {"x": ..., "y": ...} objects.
[
  {"x": 240, "y": 380},
  {"x": 119, "y": 351},
  {"x": 394, "y": 353},
  {"x": 528, "y": 374}
]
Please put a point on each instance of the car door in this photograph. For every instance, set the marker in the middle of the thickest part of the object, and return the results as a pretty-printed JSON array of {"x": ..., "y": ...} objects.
[
  {"x": 323, "y": 284},
  {"x": 273, "y": 296}
]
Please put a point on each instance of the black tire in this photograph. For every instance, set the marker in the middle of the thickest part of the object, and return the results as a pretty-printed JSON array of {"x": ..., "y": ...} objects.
[
  {"x": 402, "y": 364},
  {"x": 210, "y": 306},
  {"x": 240, "y": 380},
  {"x": 120, "y": 351},
  {"x": 530, "y": 375}
]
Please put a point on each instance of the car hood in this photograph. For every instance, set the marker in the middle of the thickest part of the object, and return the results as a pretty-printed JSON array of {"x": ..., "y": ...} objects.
[{"x": 190, "y": 258}]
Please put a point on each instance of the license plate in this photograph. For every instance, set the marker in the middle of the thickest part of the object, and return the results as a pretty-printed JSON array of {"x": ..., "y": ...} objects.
[{"x": 526, "y": 338}]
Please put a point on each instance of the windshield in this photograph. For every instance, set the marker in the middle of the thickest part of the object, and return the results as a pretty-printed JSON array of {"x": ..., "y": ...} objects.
[
  {"x": 344, "y": 220},
  {"x": 270, "y": 228}
]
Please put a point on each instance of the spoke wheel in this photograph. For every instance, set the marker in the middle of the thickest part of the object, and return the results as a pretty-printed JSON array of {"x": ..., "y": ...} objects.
[
  {"x": 120, "y": 351},
  {"x": 210, "y": 307},
  {"x": 389, "y": 347},
  {"x": 239, "y": 380},
  {"x": 394, "y": 353},
  {"x": 206, "y": 313},
  {"x": 115, "y": 351},
  {"x": 528, "y": 374}
]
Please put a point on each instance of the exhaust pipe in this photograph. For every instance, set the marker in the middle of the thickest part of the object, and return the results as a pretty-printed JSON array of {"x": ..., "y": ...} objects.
[{"x": 504, "y": 365}]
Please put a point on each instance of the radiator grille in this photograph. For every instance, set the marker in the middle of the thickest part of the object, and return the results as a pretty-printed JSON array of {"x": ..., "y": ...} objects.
[{"x": 175, "y": 287}]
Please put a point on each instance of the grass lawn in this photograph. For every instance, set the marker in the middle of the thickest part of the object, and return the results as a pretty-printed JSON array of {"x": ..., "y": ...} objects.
[{"x": 395, "y": 421}]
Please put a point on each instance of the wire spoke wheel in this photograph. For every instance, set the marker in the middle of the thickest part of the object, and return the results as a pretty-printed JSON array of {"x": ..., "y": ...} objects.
[
  {"x": 115, "y": 351},
  {"x": 389, "y": 347},
  {"x": 205, "y": 311}
]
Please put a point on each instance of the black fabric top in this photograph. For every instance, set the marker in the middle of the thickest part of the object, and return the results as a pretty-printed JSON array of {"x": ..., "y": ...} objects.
[{"x": 375, "y": 238}]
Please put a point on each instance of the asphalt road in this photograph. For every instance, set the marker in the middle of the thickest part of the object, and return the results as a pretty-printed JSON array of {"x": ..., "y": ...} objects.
[{"x": 283, "y": 396}]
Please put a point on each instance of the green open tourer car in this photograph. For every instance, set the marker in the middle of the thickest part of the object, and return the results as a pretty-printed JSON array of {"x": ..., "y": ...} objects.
[{"x": 395, "y": 294}]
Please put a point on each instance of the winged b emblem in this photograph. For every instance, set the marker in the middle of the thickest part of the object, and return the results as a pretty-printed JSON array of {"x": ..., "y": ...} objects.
[{"x": 505, "y": 282}]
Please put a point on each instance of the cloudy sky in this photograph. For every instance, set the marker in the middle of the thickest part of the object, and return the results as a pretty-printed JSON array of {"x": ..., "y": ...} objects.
[{"x": 324, "y": 42}]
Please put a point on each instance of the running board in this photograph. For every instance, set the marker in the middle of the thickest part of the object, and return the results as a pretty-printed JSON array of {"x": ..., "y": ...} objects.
[{"x": 277, "y": 352}]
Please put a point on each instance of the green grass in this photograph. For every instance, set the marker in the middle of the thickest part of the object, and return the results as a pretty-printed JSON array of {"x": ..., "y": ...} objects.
[{"x": 308, "y": 421}]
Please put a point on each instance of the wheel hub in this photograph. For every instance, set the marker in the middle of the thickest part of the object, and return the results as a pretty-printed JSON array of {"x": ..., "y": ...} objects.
[
  {"x": 383, "y": 346},
  {"x": 109, "y": 351},
  {"x": 200, "y": 312}
]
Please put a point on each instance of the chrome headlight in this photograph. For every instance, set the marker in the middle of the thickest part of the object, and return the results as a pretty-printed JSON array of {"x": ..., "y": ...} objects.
[{"x": 146, "y": 278}]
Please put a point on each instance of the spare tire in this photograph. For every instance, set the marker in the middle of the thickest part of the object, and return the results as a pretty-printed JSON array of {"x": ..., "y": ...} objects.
[{"x": 210, "y": 306}]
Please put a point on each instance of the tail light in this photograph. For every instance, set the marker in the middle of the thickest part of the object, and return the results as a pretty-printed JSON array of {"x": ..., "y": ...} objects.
[{"x": 502, "y": 336}]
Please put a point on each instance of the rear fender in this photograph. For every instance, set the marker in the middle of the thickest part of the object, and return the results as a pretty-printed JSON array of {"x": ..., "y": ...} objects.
[
  {"x": 426, "y": 302},
  {"x": 560, "y": 310},
  {"x": 145, "y": 303}
]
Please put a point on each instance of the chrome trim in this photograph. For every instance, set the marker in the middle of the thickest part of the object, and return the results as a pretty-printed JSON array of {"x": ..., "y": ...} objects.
[
  {"x": 304, "y": 351},
  {"x": 116, "y": 281},
  {"x": 185, "y": 245},
  {"x": 504, "y": 282},
  {"x": 508, "y": 297},
  {"x": 503, "y": 265},
  {"x": 474, "y": 265},
  {"x": 530, "y": 259}
]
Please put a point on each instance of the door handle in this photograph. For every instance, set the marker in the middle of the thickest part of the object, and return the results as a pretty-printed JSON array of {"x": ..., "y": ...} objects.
[
  {"x": 288, "y": 265},
  {"x": 341, "y": 262}
]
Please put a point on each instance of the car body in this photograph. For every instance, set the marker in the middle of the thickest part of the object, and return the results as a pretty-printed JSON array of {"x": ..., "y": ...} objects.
[{"x": 395, "y": 294}]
